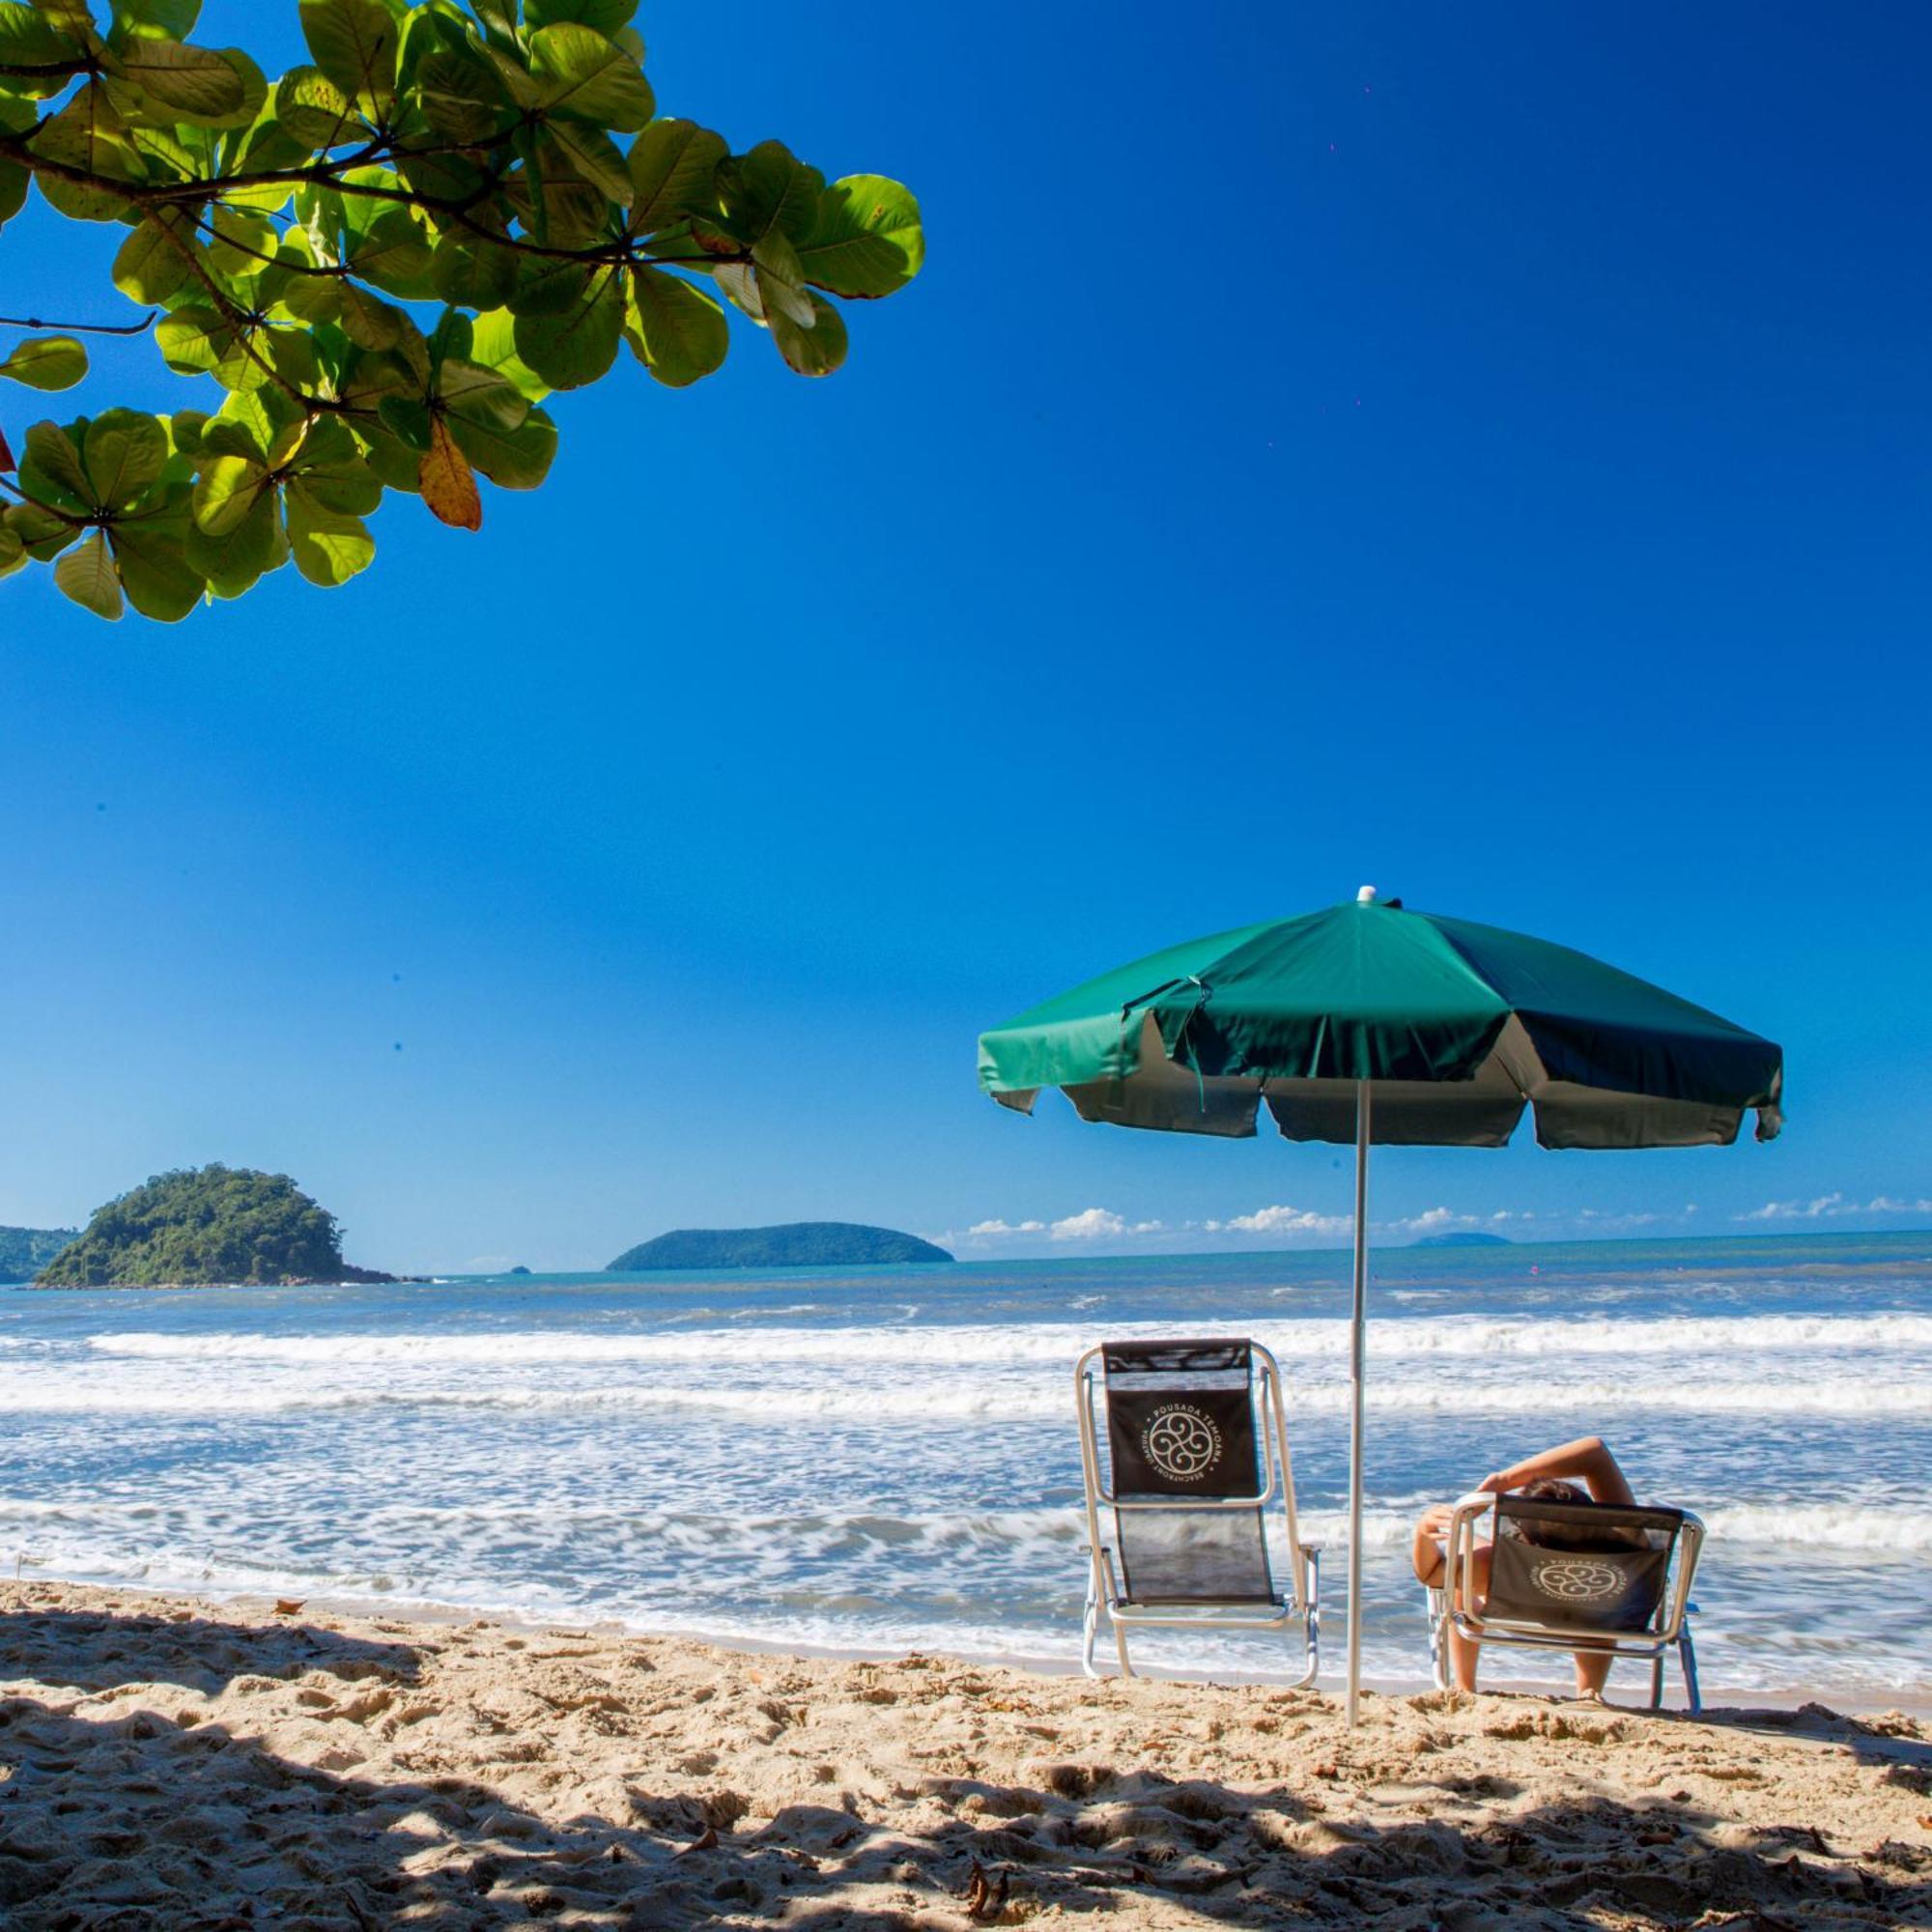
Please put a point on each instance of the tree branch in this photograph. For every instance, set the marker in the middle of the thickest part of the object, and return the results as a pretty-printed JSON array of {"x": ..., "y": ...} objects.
[{"x": 140, "y": 327}]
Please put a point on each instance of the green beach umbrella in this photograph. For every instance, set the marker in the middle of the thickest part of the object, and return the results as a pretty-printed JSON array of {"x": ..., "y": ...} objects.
[{"x": 1369, "y": 1023}]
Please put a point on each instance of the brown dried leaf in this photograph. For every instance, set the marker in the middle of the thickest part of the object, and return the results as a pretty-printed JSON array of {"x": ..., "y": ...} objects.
[{"x": 448, "y": 483}]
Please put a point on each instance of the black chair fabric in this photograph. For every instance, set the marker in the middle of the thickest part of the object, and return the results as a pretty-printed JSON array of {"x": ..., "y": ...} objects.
[
  {"x": 1580, "y": 1566},
  {"x": 1182, "y": 1422}
]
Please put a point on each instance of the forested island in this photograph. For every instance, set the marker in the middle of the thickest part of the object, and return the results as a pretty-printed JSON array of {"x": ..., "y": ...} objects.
[
  {"x": 25, "y": 1251},
  {"x": 207, "y": 1227},
  {"x": 1464, "y": 1237},
  {"x": 794, "y": 1244}
]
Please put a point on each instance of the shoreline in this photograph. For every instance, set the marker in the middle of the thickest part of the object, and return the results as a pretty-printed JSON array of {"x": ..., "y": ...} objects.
[
  {"x": 432, "y": 1613},
  {"x": 176, "y": 1762}
]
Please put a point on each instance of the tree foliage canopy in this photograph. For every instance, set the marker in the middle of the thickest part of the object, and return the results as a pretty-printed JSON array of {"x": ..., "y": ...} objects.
[
  {"x": 206, "y": 1225},
  {"x": 387, "y": 259},
  {"x": 25, "y": 1251}
]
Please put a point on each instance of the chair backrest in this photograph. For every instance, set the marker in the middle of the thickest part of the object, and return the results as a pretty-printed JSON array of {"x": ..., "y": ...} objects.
[
  {"x": 1188, "y": 1471},
  {"x": 1581, "y": 1565}
]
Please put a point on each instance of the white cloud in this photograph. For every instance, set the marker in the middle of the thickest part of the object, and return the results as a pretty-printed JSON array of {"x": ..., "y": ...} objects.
[
  {"x": 1829, "y": 1207},
  {"x": 1090, "y": 1224},
  {"x": 989, "y": 1231},
  {"x": 1281, "y": 1221},
  {"x": 1431, "y": 1220}
]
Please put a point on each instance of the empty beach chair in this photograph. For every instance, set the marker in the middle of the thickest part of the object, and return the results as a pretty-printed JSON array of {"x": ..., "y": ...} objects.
[
  {"x": 1195, "y": 1463},
  {"x": 1592, "y": 1576}
]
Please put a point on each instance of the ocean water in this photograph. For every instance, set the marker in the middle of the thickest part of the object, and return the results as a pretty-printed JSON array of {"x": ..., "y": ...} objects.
[{"x": 877, "y": 1459}]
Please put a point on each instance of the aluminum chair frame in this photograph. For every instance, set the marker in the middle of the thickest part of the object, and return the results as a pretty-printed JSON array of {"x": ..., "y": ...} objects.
[
  {"x": 1302, "y": 1606},
  {"x": 1669, "y": 1628}
]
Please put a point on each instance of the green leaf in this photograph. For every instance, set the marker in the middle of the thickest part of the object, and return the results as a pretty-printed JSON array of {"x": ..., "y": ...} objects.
[
  {"x": 574, "y": 150},
  {"x": 581, "y": 74},
  {"x": 485, "y": 395},
  {"x": 355, "y": 43},
  {"x": 352, "y": 488},
  {"x": 577, "y": 344},
  {"x": 771, "y": 190},
  {"x": 474, "y": 274},
  {"x": 14, "y": 183},
  {"x": 244, "y": 243},
  {"x": 124, "y": 452},
  {"x": 247, "y": 426},
  {"x": 157, "y": 20},
  {"x": 44, "y": 535},
  {"x": 47, "y": 362},
  {"x": 226, "y": 492},
  {"x": 157, "y": 257},
  {"x": 816, "y": 351},
  {"x": 517, "y": 459},
  {"x": 396, "y": 254},
  {"x": 674, "y": 168},
  {"x": 52, "y": 467},
  {"x": 27, "y": 40},
  {"x": 195, "y": 82},
  {"x": 867, "y": 238},
  {"x": 461, "y": 98},
  {"x": 678, "y": 331},
  {"x": 316, "y": 112},
  {"x": 368, "y": 322},
  {"x": 87, "y": 576},
  {"x": 407, "y": 418},
  {"x": 234, "y": 562},
  {"x": 493, "y": 345},
  {"x": 13, "y": 551},
  {"x": 88, "y": 134},
  {"x": 192, "y": 340},
  {"x": 605, "y": 17},
  {"x": 781, "y": 286},
  {"x": 313, "y": 298},
  {"x": 152, "y": 558},
  {"x": 329, "y": 547}
]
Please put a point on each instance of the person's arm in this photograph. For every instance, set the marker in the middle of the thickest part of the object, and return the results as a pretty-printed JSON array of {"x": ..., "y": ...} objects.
[
  {"x": 1587, "y": 1459},
  {"x": 1427, "y": 1553}
]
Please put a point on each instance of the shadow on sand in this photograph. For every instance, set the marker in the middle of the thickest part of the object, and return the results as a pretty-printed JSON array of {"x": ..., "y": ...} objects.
[{"x": 114, "y": 1816}]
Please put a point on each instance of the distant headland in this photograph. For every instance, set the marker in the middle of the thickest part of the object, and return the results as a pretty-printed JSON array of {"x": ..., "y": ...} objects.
[
  {"x": 795, "y": 1245},
  {"x": 207, "y": 1227},
  {"x": 25, "y": 1251},
  {"x": 1464, "y": 1238}
]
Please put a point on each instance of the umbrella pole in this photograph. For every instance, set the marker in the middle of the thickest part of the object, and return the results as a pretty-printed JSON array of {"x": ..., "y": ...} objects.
[{"x": 1358, "y": 1333}]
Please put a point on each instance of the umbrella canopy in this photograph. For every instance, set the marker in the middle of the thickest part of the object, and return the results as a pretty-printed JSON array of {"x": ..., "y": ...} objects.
[
  {"x": 1369, "y": 1023},
  {"x": 1457, "y": 1026}
]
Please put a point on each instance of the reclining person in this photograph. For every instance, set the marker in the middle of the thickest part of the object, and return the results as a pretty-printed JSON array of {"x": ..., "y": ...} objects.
[{"x": 1549, "y": 1477}]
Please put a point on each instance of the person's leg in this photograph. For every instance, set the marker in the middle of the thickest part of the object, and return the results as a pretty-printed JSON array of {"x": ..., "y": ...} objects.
[
  {"x": 1465, "y": 1650},
  {"x": 1593, "y": 1672}
]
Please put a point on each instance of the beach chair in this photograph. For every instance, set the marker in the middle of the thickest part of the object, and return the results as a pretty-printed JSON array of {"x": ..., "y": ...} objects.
[
  {"x": 1196, "y": 1462},
  {"x": 1590, "y": 1576}
]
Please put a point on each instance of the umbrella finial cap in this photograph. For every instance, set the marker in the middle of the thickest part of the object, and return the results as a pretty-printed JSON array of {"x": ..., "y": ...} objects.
[{"x": 1365, "y": 896}]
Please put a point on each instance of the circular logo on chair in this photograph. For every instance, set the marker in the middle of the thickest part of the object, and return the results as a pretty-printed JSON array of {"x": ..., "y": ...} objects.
[
  {"x": 1180, "y": 1442},
  {"x": 1576, "y": 1579}
]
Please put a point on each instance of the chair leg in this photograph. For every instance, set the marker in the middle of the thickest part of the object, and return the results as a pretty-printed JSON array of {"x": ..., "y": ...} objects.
[
  {"x": 1089, "y": 1628},
  {"x": 1313, "y": 1624},
  {"x": 1687, "y": 1656},
  {"x": 1434, "y": 1603},
  {"x": 1657, "y": 1682},
  {"x": 1121, "y": 1645}
]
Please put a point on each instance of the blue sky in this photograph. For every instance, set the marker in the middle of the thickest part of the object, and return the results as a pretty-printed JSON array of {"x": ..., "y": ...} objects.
[{"x": 1486, "y": 454}]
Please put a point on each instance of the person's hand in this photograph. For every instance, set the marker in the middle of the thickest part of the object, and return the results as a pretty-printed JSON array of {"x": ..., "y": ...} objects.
[
  {"x": 1494, "y": 1486},
  {"x": 1437, "y": 1520}
]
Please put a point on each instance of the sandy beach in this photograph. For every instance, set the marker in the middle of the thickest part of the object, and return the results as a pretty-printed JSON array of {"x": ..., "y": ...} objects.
[{"x": 166, "y": 1762}]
